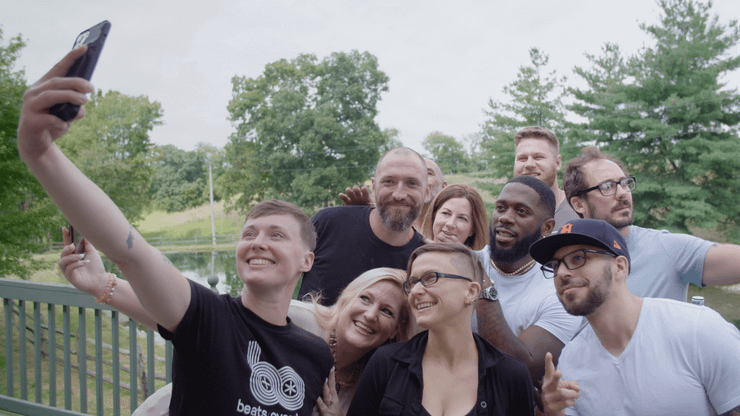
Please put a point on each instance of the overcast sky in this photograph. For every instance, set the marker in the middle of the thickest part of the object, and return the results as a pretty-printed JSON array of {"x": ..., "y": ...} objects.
[{"x": 445, "y": 59}]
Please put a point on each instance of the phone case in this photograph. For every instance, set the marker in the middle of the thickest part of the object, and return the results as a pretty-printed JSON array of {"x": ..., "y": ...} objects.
[{"x": 84, "y": 66}]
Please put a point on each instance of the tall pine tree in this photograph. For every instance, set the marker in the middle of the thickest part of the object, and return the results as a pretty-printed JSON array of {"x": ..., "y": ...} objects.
[
  {"x": 535, "y": 99},
  {"x": 668, "y": 116}
]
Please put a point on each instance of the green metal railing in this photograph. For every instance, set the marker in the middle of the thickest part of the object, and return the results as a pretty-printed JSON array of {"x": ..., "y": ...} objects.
[{"x": 42, "y": 304}]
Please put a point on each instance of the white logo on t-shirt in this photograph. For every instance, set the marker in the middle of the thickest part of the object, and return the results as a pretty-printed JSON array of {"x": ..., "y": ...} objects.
[{"x": 270, "y": 385}]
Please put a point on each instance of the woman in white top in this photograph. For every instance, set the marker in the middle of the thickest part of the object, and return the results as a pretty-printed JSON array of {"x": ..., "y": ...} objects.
[{"x": 370, "y": 311}]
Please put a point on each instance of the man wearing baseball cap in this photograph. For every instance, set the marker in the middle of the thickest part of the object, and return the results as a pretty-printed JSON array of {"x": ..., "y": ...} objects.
[{"x": 637, "y": 356}]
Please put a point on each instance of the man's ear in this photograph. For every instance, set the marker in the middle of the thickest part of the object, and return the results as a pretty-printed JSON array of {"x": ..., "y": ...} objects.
[
  {"x": 372, "y": 181},
  {"x": 559, "y": 162},
  {"x": 547, "y": 227},
  {"x": 622, "y": 267},
  {"x": 579, "y": 205},
  {"x": 444, "y": 184},
  {"x": 307, "y": 262}
]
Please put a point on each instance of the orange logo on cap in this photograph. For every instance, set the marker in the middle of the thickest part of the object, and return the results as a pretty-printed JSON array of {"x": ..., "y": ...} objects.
[
  {"x": 567, "y": 228},
  {"x": 617, "y": 245}
]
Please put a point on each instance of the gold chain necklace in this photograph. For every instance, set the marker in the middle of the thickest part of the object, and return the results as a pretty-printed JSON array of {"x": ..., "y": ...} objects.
[{"x": 516, "y": 272}]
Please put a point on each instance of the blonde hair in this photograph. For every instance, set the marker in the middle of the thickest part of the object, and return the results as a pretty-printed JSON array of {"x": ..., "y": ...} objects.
[
  {"x": 328, "y": 317},
  {"x": 478, "y": 216}
]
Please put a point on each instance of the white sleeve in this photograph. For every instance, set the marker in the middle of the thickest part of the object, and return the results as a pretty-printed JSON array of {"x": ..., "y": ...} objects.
[
  {"x": 717, "y": 345},
  {"x": 555, "y": 320}
]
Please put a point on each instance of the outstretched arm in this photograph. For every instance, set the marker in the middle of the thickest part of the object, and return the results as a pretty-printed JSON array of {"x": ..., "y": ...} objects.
[
  {"x": 722, "y": 265},
  {"x": 160, "y": 287},
  {"x": 86, "y": 272},
  {"x": 557, "y": 394}
]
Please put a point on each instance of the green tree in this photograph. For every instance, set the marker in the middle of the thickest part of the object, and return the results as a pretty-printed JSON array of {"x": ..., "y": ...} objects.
[
  {"x": 25, "y": 210},
  {"x": 111, "y": 146},
  {"x": 447, "y": 152},
  {"x": 304, "y": 130},
  {"x": 674, "y": 123},
  {"x": 535, "y": 99},
  {"x": 180, "y": 179}
]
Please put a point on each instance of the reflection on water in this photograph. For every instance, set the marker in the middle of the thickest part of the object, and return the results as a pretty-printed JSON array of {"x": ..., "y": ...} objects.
[{"x": 198, "y": 266}]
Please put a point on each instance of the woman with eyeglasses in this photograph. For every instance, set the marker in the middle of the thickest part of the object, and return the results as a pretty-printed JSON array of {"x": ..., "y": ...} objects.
[{"x": 446, "y": 370}]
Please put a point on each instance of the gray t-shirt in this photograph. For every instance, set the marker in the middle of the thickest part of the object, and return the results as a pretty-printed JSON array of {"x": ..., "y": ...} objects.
[{"x": 663, "y": 264}]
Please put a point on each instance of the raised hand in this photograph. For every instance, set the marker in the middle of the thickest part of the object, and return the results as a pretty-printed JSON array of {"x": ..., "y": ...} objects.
[
  {"x": 37, "y": 129},
  {"x": 557, "y": 394},
  {"x": 356, "y": 196},
  {"x": 84, "y": 271}
]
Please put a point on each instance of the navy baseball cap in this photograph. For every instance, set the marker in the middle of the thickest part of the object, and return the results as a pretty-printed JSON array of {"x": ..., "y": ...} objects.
[{"x": 597, "y": 233}]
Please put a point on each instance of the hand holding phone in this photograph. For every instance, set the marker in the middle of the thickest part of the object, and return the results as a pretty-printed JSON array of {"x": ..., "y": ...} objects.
[
  {"x": 79, "y": 248},
  {"x": 84, "y": 66}
]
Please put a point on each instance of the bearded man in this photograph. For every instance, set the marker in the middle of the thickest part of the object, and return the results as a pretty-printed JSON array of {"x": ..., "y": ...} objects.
[
  {"x": 519, "y": 312},
  {"x": 357, "y": 238}
]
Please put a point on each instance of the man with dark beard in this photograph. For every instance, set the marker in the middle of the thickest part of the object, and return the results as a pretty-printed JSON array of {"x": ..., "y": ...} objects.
[
  {"x": 598, "y": 186},
  {"x": 354, "y": 239},
  {"x": 519, "y": 312},
  {"x": 638, "y": 356}
]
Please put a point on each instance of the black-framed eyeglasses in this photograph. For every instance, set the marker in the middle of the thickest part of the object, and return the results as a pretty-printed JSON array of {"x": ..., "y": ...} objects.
[
  {"x": 609, "y": 188},
  {"x": 428, "y": 279},
  {"x": 573, "y": 260}
]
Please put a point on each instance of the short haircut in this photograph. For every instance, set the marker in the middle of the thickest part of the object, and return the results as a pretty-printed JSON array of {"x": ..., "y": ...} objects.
[
  {"x": 453, "y": 248},
  {"x": 547, "y": 197},
  {"x": 329, "y": 316},
  {"x": 574, "y": 179},
  {"x": 479, "y": 217},
  {"x": 402, "y": 151},
  {"x": 537, "y": 132},
  {"x": 277, "y": 207}
]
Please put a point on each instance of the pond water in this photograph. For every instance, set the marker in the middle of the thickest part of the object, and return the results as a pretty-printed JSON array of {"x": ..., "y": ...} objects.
[{"x": 199, "y": 266}]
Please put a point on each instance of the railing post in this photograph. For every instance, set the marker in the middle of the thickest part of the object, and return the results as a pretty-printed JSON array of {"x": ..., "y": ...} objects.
[
  {"x": 23, "y": 345},
  {"x": 52, "y": 354},
  {"x": 82, "y": 358},
  {"x": 98, "y": 362},
  {"x": 8, "y": 307},
  {"x": 37, "y": 349},
  {"x": 116, "y": 365},
  {"x": 67, "y": 358}
]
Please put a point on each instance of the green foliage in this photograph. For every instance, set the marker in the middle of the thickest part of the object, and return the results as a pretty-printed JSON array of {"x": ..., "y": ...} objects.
[
  {"x": 447, "y": 152},
  {"x": 535, "y": 99},
  {"x": 181, "y": 177},
  {"x": 111, "y": 147},
  {"x": 305, "y": 130},
  {"x": 673, "y": 123},
  {"x": 25, "y": 210}
]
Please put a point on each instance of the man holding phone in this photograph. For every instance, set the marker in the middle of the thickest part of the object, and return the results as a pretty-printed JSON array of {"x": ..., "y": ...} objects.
[{"x": 231, "y": 354}]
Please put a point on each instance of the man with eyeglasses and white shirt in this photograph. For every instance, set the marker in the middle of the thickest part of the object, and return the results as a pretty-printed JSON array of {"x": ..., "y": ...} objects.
[
  {"x": 639, "y": 356},
  {"x": 598, "y": 186}
]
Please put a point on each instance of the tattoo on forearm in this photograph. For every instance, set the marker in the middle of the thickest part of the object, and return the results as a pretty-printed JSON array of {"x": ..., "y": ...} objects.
[
  {"x": 130, "y": 239},
  {"x": 733, "y": 412}
]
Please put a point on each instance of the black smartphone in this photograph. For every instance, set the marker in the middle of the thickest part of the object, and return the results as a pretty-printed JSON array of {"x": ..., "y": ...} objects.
[
  {"x": 79, "y": 248},
  {"x": 84, "y": 66}
]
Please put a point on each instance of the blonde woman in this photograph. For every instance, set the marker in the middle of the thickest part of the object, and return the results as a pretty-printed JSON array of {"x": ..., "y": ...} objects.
[{"x": 371, "y": 311}]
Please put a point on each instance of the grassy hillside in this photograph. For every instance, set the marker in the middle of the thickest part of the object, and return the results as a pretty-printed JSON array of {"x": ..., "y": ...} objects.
[{"x": 191, "y": 222}]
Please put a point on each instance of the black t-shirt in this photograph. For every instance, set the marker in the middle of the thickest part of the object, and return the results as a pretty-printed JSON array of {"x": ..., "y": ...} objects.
[
  {"x": 347, "y": 247},
  {"x": 392, "y": 383},
  {"x": 228, "y": 361}
]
